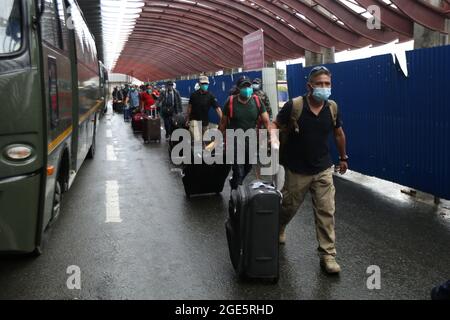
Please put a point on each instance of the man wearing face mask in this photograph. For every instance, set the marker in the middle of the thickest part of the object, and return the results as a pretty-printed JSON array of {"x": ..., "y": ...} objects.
[
  {"x": 199, "y": 104},
  {"x": 308, "y": 121},
  {"x": 170, "y": 104},
  {"x": 243, "y": 112},
  {"x": 133, "y": 102},
  {"x": 257, "y": 89}
]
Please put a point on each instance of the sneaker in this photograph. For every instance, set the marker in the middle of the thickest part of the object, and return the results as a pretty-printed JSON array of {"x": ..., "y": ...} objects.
[
  {"x": 329, "y": 264},
  {"x": 282, "y": 236}
]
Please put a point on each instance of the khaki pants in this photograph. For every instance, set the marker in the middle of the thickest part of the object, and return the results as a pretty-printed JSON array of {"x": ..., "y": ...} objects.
[
  {"x": 196, "y": 133},
  {"x": 213, "y": 126},
  {"x": 322, "y": 192}
]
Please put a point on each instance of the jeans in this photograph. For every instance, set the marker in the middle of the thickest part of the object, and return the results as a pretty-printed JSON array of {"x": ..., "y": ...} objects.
[
  {"x": 240, "y": 171},
  {"x": 168, "y": 124}
]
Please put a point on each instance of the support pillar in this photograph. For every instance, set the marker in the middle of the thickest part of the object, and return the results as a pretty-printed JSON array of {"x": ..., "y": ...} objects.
[
  {"x": 427, "y": 38},
  {"x": 314, "y": 59}
]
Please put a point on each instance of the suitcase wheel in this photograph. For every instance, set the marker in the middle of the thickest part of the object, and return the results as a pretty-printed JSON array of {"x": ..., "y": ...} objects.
[{"x": 274, "y": 280}]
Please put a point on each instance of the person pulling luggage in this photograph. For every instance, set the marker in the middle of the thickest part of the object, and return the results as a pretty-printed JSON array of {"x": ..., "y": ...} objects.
[
  {"x": 243, "y": 113},
  {"x": 132, "y": 101},
  {"x": 147, "y": 100},
  {"x": 198, "y": 109},
  {"x": 170, "y": 104},
  {"x": 308, "y": 121}
]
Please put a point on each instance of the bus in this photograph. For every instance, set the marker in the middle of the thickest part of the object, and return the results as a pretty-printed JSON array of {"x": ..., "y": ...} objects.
[
  {"x": 104, "y": 87},
  {"x": 50, "y": 81}
]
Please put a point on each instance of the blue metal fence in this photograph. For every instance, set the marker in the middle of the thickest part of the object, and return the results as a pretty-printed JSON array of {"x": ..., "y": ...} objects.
[{"x": 397, "y": 128}]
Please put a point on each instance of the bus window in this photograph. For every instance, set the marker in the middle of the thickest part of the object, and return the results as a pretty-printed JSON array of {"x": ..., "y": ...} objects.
[
  {"x": 10, "y": 27},
  {"x": 50, "y": 25}
]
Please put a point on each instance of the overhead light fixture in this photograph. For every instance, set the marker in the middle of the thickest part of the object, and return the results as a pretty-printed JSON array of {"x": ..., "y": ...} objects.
[{"x": 118, "y": 21}]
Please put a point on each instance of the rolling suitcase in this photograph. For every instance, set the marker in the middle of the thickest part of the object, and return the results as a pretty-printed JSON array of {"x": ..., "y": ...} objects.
[
  {"x": 178, "y": 122},
  {"x": 137, "y": 122},
  {"x": 204, "y": 178},
  {"x": 151, "y": 129},
  {"x": 252, "y": 230}
]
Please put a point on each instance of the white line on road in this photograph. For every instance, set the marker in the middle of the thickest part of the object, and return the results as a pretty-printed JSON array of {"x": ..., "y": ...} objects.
[
  {"x": 112, "y": 202},
  {"x": 110, "y": 154}
]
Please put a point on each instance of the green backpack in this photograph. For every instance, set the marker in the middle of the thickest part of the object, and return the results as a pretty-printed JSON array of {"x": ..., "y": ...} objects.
[{"x": 292, "y": 125}]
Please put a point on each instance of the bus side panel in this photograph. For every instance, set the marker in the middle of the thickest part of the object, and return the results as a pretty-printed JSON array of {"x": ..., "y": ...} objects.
[
  {"x": 59, "y": 116},
  {"x": 88, "y": 84},
  {"x": 18, "y": 218}
]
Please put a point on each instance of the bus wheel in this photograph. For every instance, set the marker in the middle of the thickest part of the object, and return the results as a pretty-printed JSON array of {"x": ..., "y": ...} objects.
[
  {"x": 57, "y": 198},
  {"x": 36, "y": 252},
  {"x": 91, "y": 152}
]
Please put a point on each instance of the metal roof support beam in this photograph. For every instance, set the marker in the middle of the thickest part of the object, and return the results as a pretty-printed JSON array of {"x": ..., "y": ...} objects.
[
  {"x": 423, "y": 14},
  {"x": 263, "y": 18},
  {"x": 354, "y": 22},
  {"x": 313, "y": 34},
  {"x": 191, "y": 42},
  {"x": 231, "y": 25},
  {"x": 227, "y": 31},
  {"x": 391, "y": 18},
  {"x": 334, "y": 29}
]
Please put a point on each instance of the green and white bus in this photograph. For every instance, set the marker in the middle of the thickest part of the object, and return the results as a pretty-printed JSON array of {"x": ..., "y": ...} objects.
[{"x": 52, "y": 96}]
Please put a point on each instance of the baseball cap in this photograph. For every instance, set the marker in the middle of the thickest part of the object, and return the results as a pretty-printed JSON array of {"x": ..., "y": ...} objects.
[
  {"x": 244, "y": 80},
  {"x": 203, "y": 80}
]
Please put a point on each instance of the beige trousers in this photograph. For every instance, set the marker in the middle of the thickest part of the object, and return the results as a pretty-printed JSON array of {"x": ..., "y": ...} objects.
[{"x": 322, "y": 192}]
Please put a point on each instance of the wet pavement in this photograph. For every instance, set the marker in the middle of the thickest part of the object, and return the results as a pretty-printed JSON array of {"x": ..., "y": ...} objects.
[{"x": 127, "y": 224}]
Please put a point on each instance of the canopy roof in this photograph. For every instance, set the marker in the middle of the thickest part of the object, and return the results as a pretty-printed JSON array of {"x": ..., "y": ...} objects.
[{"x": 161, "y": 39}]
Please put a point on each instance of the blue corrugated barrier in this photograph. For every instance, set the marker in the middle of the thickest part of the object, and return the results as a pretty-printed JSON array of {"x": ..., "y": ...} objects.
[{"x": 397, "y": 127}]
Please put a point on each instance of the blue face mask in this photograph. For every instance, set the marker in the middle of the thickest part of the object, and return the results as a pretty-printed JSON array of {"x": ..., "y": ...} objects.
[
  {"x": 204, "y": 87},
  {"x": 321, "y": 94},
  {"x": 246, "y": 92}
]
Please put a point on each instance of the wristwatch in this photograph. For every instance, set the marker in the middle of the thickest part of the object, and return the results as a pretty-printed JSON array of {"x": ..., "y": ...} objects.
[{"x": 345, "y": 159}]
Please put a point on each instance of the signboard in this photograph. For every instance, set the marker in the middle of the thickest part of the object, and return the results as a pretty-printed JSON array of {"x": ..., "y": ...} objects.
[{"x": 253, "y": 45}]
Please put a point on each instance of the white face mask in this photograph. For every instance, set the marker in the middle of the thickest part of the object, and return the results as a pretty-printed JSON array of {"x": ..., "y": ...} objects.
[{"x": 256, "y": 87}]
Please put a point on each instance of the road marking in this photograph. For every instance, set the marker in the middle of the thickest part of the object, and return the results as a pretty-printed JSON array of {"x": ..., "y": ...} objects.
[
  {"x": 112, "y": 202},
  {"x": 109, "y": 133},
  {"x": 110, "y": 154}
]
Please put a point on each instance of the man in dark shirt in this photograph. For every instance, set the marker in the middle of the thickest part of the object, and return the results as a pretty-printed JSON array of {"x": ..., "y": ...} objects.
[
  {"x": 308, "y": 164},
  {"x": 170, "y": 105},
  {"x": 199, "y": 104}
]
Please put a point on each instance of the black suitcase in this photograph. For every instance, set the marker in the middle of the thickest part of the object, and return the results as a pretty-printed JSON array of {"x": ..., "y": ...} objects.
[
  {"x": 253, "y": 231},
  {"x": 178, "y": 122},
  {"x": 118, "y": 106},
  {"x": 151, "y": 129},
  {"x": 204, "y": 178}
]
